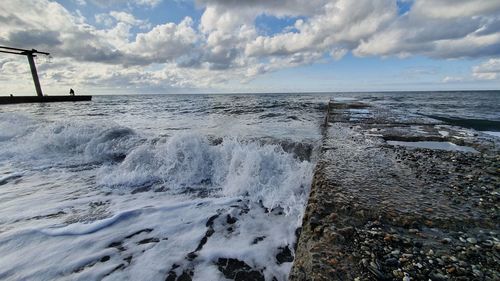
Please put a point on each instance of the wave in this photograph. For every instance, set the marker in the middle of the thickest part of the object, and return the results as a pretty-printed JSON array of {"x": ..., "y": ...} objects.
[
  {"x": 263, "y": 172},
  {"x": 64, "y": 142},
  {"x": 275, "y": 173}
]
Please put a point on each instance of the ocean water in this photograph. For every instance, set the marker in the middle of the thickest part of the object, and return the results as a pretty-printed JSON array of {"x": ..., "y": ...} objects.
[{"x": 150, "y": 187}]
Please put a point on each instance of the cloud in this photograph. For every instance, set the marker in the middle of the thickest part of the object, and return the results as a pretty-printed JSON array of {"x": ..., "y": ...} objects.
[
  {"x": 439, "y": 29},
  {"x": 34, "y": 37},
  {"x": 164, "y": 43},
  {"x": 129, "y": 19},
  {"x": 489, "y": 70},
  {"x": 110, "y": 3},
  {"x": 341, "y": 24},
  {"x": 69, "y": 35},
  {"x": 453, "y": 79},
  {"x": 226, "y": 45},
  {"x": 279, "y": 8}
]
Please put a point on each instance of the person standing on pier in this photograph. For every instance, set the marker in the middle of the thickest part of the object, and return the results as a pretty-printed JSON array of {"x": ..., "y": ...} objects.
[{"x": 71, "y": 92}]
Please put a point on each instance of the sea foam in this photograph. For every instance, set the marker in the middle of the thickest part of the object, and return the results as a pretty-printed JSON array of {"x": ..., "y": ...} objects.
[
  {"x": 84, "y": 219},
  {"x": 264, "y": 172}
]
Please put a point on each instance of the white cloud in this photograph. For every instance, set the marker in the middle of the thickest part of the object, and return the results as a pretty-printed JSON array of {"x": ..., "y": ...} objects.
[
  {"x": 439, "y": 29},
  {"x": 449, "y": 9},
  {"x": 341, "y": 24},
  {"x": 163, "y": 43},
  {"x": 129, "y": 19},
  {"x": 150, "y": 3},
  {"x": 110, "y": 3},
  {"x": 226, "y": 44},
  {"x": 489, "y": 70},
  {"x": 453, "y": 79}
]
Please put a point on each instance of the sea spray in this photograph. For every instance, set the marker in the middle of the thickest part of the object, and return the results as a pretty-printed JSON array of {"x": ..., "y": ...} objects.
[
  {"x": 41, "y": 142},
  {"x": 263, "y": 172}
]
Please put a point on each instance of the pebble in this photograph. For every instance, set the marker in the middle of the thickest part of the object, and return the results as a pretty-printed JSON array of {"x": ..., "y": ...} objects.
[
  {"x": 392, "y": 262},
  {"x": 472, "y": 240},
  {"x": 446, "y": 240},
  {"x": 477, "y": 273}
]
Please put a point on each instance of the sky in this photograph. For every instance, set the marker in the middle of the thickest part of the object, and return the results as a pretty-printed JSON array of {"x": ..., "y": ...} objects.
[{"x": 246, "y": 46}]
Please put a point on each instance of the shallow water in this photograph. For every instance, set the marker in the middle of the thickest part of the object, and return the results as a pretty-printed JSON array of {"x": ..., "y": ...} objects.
[
  {"x": 439, "y": 145},
  {"x": 139, "y": 187}
]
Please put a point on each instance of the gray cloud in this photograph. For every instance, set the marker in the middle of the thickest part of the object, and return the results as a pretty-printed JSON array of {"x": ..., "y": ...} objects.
[
  {"x": 46, "y": 38},
  {"x": 271, "y": 7}
]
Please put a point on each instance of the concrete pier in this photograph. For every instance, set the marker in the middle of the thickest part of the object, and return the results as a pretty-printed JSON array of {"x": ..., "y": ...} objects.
[
  {"x": 42, "y": 99},
  {"x": 382, "y": 209}
]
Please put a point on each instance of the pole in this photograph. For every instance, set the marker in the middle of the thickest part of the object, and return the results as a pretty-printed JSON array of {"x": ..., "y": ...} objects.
[{"x": 34, "y": 74}]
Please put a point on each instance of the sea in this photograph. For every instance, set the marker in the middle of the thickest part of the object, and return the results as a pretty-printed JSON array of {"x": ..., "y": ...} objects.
[{"x": 175, "y": 187}]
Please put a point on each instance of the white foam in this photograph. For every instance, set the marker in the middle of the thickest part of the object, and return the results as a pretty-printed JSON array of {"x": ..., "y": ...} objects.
[
  {"x": 444, "y": 133},
  {"x": 76, "y": 142},
  {"x": 263, "y": 172},
  {"x": 491, "y": 133},
  {"x": 60, "y": 223},
  {"x": 9, "y": 177},
  {"x": 434, "y": 145}
]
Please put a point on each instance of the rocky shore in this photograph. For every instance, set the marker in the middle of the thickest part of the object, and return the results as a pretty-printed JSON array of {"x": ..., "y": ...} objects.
[{"x": 379, "y": 211}]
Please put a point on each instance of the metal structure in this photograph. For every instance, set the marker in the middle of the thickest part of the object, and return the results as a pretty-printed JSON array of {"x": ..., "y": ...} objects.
[{"x": 31, "y": 54}]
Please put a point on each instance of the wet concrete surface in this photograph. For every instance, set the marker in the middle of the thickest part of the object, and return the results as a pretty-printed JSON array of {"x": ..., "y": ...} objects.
[{"x": 383, "y": 212}]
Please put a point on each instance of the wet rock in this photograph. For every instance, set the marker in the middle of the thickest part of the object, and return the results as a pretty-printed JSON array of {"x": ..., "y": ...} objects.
[
  {"x": 238, "y": 270},
  {"x": 118, "y": 245},
  {"x": 347, "y": 232},
  {"x": 141, "y": 189},
  {"x": 128, "y": 259},
  {"x": 258, "y": 239},
  {"x": 230, "y": 220},
  {"x": 148, "y": 240},
  {"x": 210, "y": 221},
  {"x": 185, "y": 276},
  {"x": 436, "y": 276},
  {"x": 146, "y": 230},
  {"x": 284, "y": 255},
  {"x": 392, "y": 262},
  {"x": 377, "y": 274}
]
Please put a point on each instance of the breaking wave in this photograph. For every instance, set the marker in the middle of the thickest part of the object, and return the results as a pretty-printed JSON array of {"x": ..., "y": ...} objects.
[
  {"x": 265, "y": 172},
  {"x": 24, "y": 139}
]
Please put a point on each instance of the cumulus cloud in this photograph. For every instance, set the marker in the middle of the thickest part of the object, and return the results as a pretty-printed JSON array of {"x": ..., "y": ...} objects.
[
  {"x": 129, "y": 19},
  {"x": 439, "y": 29},
  {"x": 489, "y": 70},
  {"x": 225, "y": 44},
  {"x": 164, "y": 43},
  {"x": 341, "y": 24},
  {"x": 272, "y": 7},
  {"x": 110, "y": 3},
  {"x": 69, "y": 35}
]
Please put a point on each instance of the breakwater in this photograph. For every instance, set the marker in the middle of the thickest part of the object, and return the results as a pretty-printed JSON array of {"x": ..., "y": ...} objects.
[{"x": 397, "y": 196}]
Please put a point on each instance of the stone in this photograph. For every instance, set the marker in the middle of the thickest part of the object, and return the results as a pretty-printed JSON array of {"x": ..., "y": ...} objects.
[
  {"x": 472, "y": 240},
  {"x": 284, "y": 255},
  {"x": 238, "y": 270}
]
